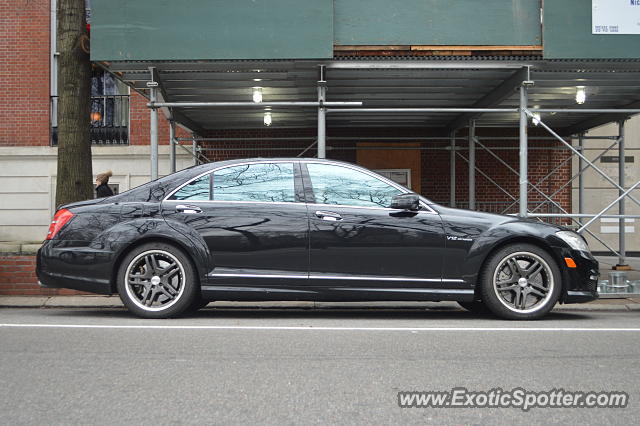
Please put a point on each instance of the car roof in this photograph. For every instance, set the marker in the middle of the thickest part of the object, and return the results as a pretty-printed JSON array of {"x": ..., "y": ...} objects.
[
  {"x": 202, "y": 168},
  {"x": 292, "y": 159}
]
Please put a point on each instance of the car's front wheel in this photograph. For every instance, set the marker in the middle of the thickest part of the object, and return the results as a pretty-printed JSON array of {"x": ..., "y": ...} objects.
[
  {"x": 520, "y": 282},
  {"x": 476, "y": 307},
  {"x": 157, "y": 280}
]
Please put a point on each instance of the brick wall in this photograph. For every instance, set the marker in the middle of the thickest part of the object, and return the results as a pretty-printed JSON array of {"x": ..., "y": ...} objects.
[
  {"x": 140, "y": 123},
  {"x": 18, "y": 277},
  {"x": 235, "y": 146},
  {"x": 543, "y": 157},
  {"x": 24, "y": 72}
]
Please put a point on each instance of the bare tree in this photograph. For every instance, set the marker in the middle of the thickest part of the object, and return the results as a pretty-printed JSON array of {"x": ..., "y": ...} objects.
[{"x": 74, "y": 181}]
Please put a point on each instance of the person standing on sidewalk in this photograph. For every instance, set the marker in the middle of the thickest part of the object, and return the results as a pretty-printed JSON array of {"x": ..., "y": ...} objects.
[{"x": 102, "y": 188}]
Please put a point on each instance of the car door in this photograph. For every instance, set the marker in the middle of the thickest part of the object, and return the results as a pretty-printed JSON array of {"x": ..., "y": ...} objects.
[
  {"x": 252, "y": 220},
  {"x": 356, "y": 238}
]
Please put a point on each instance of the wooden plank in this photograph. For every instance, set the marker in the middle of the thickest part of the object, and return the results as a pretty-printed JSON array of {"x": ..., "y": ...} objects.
[
  {"x": 355, "y": 47},
  {"x": 472, "y": 47}
]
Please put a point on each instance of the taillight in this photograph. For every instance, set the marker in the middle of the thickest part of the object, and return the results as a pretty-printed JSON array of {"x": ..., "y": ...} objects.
[{"x": 59, "y": 220}]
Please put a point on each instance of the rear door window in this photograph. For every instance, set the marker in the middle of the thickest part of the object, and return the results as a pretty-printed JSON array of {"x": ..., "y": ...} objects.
[{"x": 260, "y": 182}]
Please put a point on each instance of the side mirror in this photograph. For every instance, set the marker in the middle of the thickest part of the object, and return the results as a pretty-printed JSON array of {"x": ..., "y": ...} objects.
[{"x": 409, "y": 202}]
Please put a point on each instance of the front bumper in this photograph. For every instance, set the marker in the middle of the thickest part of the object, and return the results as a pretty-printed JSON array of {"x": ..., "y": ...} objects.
[
  {"x": 581, "y": 282},
  {"x": 580, "y": 296}
]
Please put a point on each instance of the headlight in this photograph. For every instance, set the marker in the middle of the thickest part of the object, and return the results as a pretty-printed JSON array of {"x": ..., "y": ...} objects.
[{"x": 574, "y": 240}]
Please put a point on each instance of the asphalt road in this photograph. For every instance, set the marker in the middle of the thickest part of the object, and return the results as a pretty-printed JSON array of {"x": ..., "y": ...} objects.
[{"x": 100, "y": 366}]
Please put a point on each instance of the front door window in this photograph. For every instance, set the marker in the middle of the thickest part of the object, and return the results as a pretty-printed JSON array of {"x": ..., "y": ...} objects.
[{"x": 339, "y": 185}]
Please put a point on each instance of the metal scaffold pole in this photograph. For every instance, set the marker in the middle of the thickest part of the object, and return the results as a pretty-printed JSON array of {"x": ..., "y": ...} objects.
[
  {"x": 523, "y": 151},
  {"x": 621, "y": 207},
  {"x": 322, "y": 125},
  {"x": 172, "y": 145},
  {"x": 452, "y": 170},
  {"x": 153, "y": 129},
  {"x": 194, "y": 149},
  {"x": 580, "y": 177},
  {"x": 472, "y": 165}
]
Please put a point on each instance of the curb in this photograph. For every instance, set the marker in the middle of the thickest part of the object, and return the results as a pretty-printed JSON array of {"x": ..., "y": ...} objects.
[{"x": 113, "y": 302}]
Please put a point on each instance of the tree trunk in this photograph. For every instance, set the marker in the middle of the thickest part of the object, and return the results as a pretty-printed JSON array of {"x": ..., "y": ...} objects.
[{"x": 74, "y": 180}]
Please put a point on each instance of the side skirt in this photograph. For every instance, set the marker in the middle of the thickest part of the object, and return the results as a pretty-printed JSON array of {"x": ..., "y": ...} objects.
[{"x": 334, "y": 293}]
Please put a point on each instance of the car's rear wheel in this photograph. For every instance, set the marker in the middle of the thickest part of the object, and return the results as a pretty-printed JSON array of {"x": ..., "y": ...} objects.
[
  {"x": 520, "y": 282},
  {"x": 197, "y": 304},
  {"x": 157, "y": 280}
]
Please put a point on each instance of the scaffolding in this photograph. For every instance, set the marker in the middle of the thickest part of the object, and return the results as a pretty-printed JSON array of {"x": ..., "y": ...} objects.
[{"x": 519, "y": 80}]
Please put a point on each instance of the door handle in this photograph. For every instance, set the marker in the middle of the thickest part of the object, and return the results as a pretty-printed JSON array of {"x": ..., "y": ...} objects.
[
  {"x": 328, "y": 216},
  {"x": 181, "y": 208}
]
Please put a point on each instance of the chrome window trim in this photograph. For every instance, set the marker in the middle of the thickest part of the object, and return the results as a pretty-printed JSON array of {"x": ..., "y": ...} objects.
[
  {"x": 366, "y": 208},
  {"x": 429, "y": 210},
  {"x": 289, "y": 203}
]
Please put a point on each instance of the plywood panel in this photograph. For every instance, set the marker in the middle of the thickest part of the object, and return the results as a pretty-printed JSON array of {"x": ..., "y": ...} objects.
[
  {"x": 392, "y": 159},
  {"x": 567, "y": 34},
  {"x": 438, "y": 22},
  {"x": 211, "y": 29}
]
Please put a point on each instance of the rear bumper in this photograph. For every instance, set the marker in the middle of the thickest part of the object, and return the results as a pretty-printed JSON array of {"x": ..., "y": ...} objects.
[
  {"x": 77, "y": 268},
  {"x": 47, "y": 280}
]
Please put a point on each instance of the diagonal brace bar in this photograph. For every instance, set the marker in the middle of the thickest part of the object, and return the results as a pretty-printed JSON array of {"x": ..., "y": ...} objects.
[
  {"x": 307, "y": 148},
  {"x": 600, "y": 172},
  {"x": 620, "y": 197},
  {"x": 564, "y": 185},
  {"x": 549, "y": 198},
  {"x": 488, "y": 178},
  {"x": 514, "y": 171}
]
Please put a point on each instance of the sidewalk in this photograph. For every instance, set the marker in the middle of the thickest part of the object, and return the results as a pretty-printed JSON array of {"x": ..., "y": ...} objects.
[
  {"x": 111, "y": 302},
  {"x": 606, "y": 264}
]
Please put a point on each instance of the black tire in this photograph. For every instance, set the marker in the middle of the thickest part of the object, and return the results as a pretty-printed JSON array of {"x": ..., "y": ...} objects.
[
  {"x": 476, "y": 307},
  {"x": 157, "y": 280},
  {"x": 520, "y": 282},
  {"x": 197, "y": 304}
]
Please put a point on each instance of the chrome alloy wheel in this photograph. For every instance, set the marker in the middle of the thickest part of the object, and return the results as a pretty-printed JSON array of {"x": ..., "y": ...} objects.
[
  {"x": 155, "y": 280},
  {"x": 523, "y": 282}
]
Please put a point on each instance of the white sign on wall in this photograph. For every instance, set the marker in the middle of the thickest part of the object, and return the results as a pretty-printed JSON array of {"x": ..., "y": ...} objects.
[{"x": 615, "y": 17}]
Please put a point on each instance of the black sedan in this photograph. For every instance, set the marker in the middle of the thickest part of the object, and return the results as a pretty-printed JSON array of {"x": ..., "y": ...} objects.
[{"x": 307, "y": 229}]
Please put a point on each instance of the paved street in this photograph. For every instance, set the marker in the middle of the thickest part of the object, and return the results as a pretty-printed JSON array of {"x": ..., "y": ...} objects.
[{"x": 286, "y": 366}]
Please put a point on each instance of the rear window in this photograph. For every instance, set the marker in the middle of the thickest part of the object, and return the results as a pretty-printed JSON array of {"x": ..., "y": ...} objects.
[{"x": 196, "y": 190}]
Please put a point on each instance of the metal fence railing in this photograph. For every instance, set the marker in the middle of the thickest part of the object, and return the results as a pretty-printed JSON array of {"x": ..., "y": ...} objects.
[{"x": 109, "y": 120}]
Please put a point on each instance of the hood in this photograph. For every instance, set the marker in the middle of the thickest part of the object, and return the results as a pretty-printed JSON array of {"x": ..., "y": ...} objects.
[{"x": 491, "y": 220}]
